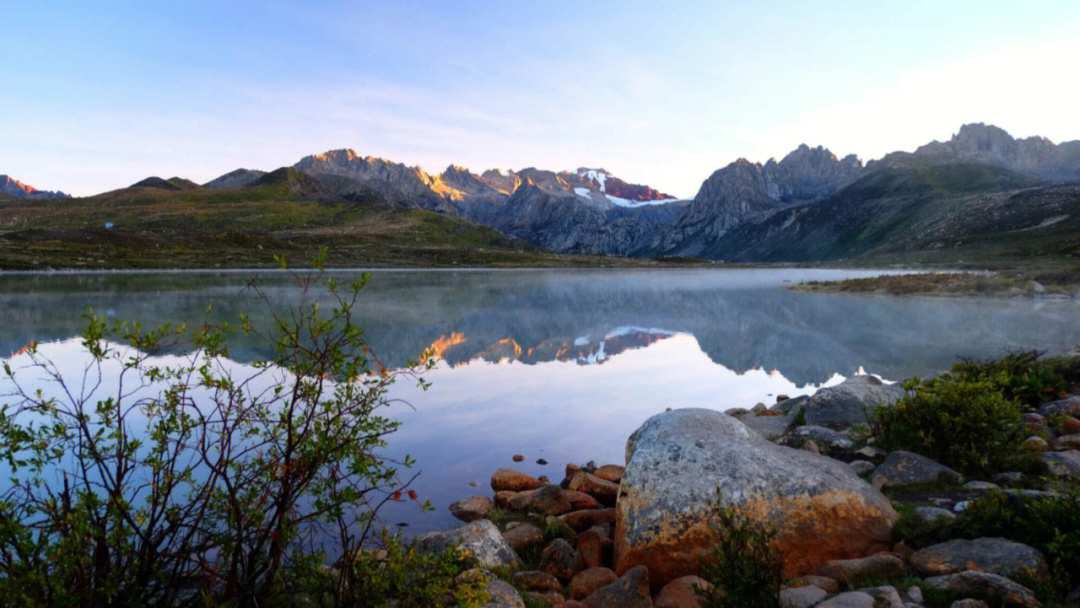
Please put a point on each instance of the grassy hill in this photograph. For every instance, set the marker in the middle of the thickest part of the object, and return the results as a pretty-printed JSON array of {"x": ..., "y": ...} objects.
[{"x": 282, "y": 213}]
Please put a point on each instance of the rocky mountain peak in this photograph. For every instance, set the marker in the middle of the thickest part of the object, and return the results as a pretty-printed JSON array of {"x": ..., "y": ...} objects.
[
  {"x": 991, "y": 145},
  {"x": 13, "y": 187}
]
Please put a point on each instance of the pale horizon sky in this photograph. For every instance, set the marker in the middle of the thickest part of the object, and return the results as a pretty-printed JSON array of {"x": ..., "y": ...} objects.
[{"x": 99, "y": 97}]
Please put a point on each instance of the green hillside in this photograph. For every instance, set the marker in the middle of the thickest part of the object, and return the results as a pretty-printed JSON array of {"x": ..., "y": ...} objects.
[
  {"x": 283, "y": 213},
  {"x": 962, "y": 214}
]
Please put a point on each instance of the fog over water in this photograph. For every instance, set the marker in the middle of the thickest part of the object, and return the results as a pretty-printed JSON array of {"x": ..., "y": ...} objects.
[{"x": 563, "y": 365}]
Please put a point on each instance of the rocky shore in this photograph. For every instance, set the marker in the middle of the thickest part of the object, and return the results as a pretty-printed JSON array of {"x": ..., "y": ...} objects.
[{"x": 841, "y": 507}]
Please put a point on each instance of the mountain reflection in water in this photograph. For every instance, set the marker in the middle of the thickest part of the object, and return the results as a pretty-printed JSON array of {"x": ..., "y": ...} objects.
[{"x": 563, "y": 365}]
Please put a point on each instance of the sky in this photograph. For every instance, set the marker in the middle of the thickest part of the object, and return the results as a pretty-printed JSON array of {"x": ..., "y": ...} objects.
[{"x": 97, "y": 96}]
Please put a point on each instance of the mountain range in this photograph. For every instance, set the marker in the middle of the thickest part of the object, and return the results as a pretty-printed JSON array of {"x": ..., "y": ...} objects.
[
  {"x": 16, "y": 189},
  {"x": 974, "y": 190}
]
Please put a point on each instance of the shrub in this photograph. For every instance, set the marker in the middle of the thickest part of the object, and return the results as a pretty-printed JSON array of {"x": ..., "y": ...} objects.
[
  {"x": 193, "y": 479},
  {"x": 967, "y": 424},
  {"x": 1051, "y": 524},
  {"x": 399, "y": 575},
  {"x": 743, "y": 569},
  {"x": 1024, "y": 375}
]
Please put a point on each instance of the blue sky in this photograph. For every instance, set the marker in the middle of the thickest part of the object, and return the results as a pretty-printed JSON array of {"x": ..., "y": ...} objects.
[{"x": 98, "y": 97}]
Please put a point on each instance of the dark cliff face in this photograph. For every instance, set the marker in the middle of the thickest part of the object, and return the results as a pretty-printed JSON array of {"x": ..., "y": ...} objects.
[
  {"x": 744, "y": 191},
  {"x": 570, "y": 223}
]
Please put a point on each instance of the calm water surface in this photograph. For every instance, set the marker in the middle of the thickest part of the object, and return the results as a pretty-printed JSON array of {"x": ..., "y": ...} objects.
[{"x": 564, "y": 365}]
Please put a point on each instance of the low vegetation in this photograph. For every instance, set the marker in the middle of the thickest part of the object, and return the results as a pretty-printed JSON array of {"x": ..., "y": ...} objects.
[
  {"x": 197, "y": 481},
  {"x": 1049, "y": 523},
  {"x": 965, "y": 423},
  {"x": 1019, "y": 279},
  {"x": 743, "y": 569},
  {"x": 143, "y": 228},
  {"x": 970, "y": 419}
]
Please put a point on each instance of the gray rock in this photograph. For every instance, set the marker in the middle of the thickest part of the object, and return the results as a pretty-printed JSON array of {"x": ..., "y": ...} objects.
[
  {"x": 801, "y": 597},
  {"x": 851, "y": 599},
  {"x": 994, "y": 555},
  {"x": 480, "y": 538},
  {"x": 933, "y": 514},
  {"x": 1062, "y": 464},
  {"x": 823, "y": 437},
  {"x": 885, "y": 596},
  {"x": 981, "y": 485},
  {"x": 502, "y": 595},
  {"x": 1011, "y": 478},
  {"x": 882, "y": 566},
  {"x": 769, "y": 427},
  {"x": 861, "y": 467},
  {"x": 993, "y": 588},
  {"x": 913, "y": 595},
  {"x": 1069, "y": 406},
  {"x": 846, "y": 404},
  {"x": 792, "y": 407},
  {"x": 905, "y": 468},
  {"x": 870, "y": 452},
  {"x": 677, "y": 460}
]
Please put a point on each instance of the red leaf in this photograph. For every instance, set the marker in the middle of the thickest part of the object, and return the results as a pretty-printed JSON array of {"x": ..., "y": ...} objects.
[
  {"x": 412, "y": 494},
  {"x": 396, "y": 497}
]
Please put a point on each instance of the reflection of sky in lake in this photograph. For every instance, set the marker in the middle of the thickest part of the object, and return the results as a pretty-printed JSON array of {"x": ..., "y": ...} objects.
[{"x": 563, "y": 365}]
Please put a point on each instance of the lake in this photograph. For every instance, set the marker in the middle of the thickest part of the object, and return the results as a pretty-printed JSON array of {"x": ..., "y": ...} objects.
[{"x": 564, "y": 364}]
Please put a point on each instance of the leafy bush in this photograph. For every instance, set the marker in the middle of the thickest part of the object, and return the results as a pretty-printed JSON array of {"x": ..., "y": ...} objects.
[
  {"x": 743, "y": 569},
  {"x": 399, "y": 575},
  {"x": 966, "y": 424},
  {"x": 195, "y": 480},
  {"x": 1024, "y": 376}
]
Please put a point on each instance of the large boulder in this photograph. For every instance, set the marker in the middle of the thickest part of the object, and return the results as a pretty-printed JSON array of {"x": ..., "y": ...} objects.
[
  {"x": 676, "y": 462},
  {"x": 481, "y": 539},
  {"x": 846, "y": 404},
  {"x": 994, "y": 555},
  {"x": 905, "y": 468}
]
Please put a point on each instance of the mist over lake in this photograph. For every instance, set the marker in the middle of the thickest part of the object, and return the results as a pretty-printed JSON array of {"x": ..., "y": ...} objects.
[{"x": 563, "y": 365}]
